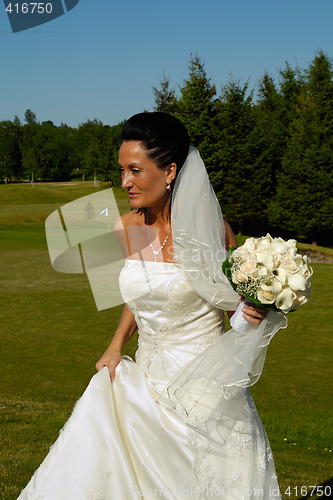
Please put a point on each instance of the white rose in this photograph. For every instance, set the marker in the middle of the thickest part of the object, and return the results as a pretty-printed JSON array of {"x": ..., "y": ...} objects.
[
  {"x": 291, "y": 243},
  {"x": 278, "y": 246},
  {"x": 239, "y": 277},
  {"x": 267, "y": 293},
  {"x": 250, "y": 268},
  {"x": 263, "y": 243},
  {"x": 250, "y": 243},
  {"x": 292, "y": 252},
  {"x": 289, "y": 264},
  {"x": 285, "y": 299}
]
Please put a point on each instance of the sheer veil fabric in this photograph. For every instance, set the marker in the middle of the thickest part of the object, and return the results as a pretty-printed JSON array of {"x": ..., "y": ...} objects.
[
  {"x": 198, "y": 234},
  {"x": 235, "y": 360}
]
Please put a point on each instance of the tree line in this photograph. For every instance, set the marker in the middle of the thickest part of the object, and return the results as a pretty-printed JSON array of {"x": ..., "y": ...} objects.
[
  {"x": 268, "y": 154},
  {"x": 43, "y": 151}
]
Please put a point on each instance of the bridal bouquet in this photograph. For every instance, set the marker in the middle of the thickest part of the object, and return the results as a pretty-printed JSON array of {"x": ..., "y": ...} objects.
[{"x": 270, "y": 272}]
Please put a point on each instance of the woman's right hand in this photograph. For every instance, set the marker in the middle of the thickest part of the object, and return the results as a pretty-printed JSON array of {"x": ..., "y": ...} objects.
[
  {"x": 112, "y": 356},
  {"x": 111, "y": 359}
]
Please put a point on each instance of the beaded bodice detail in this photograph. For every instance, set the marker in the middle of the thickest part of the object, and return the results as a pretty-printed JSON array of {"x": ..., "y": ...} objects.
[{"x": 174, "y": 323}]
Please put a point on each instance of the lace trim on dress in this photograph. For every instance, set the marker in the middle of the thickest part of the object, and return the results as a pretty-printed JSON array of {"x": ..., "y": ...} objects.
[{"x": 243, "y": 437}]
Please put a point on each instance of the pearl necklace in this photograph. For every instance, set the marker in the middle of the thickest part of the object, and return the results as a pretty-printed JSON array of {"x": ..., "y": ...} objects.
[{"x": 156, "y": 252}]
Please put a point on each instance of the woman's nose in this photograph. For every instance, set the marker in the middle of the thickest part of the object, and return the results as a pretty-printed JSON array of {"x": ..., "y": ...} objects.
[{"x": 126, "y": 181}]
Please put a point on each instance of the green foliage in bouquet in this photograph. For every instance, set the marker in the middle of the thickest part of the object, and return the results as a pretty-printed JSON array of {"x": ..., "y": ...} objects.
[
  {"x": 226, "y": 268},
  {"x": 270, "y": 272}
]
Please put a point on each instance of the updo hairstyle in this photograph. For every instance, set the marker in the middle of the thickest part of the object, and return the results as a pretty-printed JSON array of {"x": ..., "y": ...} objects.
[{"x": 163, "y": 136}]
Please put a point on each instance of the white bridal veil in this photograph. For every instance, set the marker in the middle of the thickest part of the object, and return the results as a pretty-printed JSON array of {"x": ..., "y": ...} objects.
[
  {"x": 235, "y": 360},
  {"x": 198, "y": 234}
]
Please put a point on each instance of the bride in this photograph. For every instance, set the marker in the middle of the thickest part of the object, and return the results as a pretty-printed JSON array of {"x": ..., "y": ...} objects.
[{"x": 178, "y": 422}]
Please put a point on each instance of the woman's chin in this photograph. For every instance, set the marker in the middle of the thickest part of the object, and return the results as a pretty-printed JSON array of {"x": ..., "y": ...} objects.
[{"x": 134, "y": 203}]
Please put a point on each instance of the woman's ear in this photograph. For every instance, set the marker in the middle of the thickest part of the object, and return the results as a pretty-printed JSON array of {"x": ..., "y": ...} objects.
[{"x": 171, "y": 171}]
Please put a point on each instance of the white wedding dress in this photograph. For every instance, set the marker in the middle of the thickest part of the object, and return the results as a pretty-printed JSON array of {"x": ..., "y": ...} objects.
[{"x": 126, "y": 440}]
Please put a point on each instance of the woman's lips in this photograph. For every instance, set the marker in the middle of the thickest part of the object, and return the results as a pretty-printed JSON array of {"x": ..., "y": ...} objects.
[{"x": 133, "y": 195}]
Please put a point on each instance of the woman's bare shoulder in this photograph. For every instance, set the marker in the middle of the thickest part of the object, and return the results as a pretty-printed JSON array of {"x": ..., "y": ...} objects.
[
  {"x": 123, "y": 232},
  {"x": 127, "y": 219}
]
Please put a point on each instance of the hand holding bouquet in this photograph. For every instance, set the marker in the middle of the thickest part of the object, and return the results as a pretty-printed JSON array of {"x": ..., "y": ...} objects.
[{"x": 270, "y": 273}]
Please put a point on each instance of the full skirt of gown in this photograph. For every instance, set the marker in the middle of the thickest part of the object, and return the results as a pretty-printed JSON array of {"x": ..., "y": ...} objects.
[{"x": 145, "y": 435}]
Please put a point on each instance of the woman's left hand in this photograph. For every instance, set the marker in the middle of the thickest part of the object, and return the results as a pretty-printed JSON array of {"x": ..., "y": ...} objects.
[{"x": 253, "y": 314}]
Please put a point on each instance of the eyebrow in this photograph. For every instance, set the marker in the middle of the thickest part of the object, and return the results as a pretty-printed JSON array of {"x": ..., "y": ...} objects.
[{"x": 132, "y": 165}]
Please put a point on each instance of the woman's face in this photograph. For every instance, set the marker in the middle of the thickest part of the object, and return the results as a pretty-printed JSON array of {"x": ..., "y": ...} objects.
[{"x": 145, "y": 182}]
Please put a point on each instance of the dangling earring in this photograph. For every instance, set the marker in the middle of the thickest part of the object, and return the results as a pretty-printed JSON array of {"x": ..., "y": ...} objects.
[{"x": 168, "y": 186}]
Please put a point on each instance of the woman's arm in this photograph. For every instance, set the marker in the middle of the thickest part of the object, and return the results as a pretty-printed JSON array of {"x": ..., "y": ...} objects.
[
  {"x": 230, "y": 238},
  {"x": 111, "y": 357},
  {"x": 127, "y": 324}
]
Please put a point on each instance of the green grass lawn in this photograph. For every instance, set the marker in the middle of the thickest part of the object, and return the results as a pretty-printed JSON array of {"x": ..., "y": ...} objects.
[{"x": 52, "y": 335}]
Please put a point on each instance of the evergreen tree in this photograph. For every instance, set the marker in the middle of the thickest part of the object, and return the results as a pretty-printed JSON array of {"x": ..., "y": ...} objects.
[
  {"x": 29, "y": 152},
  {"x": 274, "y": 112},
  {"x": 197, "y": 110},
  {"x": 269, "y": 134},
  {"x": 60, "y": 153},
  {"x": 237, "y": 183},
  {"x": 10, "y": 152},
  {"x": 165, "y": 97},
  {"x": 30, "y": 117},
  {"x": 46, "y": 152},
  {"x": 303, "y": 205},
  {"x": 17, "y": 121},
  {"x": 91, "y": 137},
  {"x": 112, "y": 172},
  {"x": 291, "y": 85}
]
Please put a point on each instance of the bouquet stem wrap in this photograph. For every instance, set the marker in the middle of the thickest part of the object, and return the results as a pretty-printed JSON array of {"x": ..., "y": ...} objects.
[{"x": 237, "y": 321}]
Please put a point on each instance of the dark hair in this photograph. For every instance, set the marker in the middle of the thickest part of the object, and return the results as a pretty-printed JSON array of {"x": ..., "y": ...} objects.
[{"x": 163, "y": 136}]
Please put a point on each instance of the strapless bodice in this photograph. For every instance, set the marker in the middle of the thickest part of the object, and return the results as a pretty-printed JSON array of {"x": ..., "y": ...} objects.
[{"x": 174, "y": 323}]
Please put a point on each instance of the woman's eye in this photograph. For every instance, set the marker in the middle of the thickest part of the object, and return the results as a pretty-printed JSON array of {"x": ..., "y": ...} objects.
[{"x": 133, "y": 171}]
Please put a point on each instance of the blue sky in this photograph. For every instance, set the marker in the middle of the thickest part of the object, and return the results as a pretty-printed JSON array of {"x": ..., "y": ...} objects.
[{"x": 101, "y": 59}]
